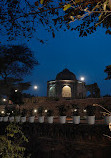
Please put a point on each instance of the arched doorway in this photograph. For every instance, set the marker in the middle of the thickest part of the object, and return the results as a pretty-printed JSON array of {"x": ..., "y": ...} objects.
[{"x": 66, "y": 91}]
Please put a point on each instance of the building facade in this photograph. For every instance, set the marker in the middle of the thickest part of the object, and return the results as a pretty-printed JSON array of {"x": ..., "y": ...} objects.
[{"x": 66, "y": 86}]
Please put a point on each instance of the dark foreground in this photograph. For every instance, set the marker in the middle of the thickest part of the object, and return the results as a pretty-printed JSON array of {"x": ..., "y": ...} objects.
[{"x": 67, "y": 140}]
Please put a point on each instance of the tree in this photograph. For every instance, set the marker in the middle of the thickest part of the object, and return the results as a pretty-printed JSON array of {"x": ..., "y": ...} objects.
[
  {"x": 12, "y": 142},
  {"x": 108, "y": 71},
  {"x": 15, "y": 63},
  {"x": 16, "y": 95},
  {"x": 16, "y": 60},
  {"x": 23, "y": 17},
  {"x": 9, "y": 86}
]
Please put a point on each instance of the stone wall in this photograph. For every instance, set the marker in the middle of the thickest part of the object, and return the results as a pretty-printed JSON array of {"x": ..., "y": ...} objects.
[{"x": 52, "y": 103}]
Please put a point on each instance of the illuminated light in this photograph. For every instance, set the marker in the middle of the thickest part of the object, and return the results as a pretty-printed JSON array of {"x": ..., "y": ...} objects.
[
  {"x": 46, "y": 110},
  {"x": 110, "y": 126},
  {"x": 4, "y": 99},
  {"x": 12, "y": 112},
  {"x": 52, "y": 81},
  {"x": 75, "y": 110},
  {"x": 52, "y": 87},
  {"x": 82, "y": 78},
  {"x": 2, "y": 112},
  {"x": 85, "y": 110},
  {"x": 79, "y": 82},
  {"x": 35, "y": 110},
  {"x": 66, "y": 86},
  {"x": 35, "y": 87},
  {"x": 16, "y": 90},
  {"x": 95, "y": 105}
]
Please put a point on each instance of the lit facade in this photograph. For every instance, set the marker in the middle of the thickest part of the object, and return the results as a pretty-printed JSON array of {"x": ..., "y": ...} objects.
[{"x": 66, "y": 86}]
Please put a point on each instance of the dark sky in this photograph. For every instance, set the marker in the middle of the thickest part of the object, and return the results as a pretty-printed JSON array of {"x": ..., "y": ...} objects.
[{"x": 84, "y": 56}]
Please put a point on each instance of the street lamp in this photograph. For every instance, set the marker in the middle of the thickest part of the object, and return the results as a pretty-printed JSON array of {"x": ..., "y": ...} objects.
[
  {"x": 16, "y": 90},
  {"x": 82, "y": 78},
  {"x": 84, "y": 110},
  {"x": 82, "y": 82},
  {"x": 35, "y": 110},
  {"x": 35, "y": 87},
  {"x": 45, "y": 110},
  {"x": 2, "y": 112},
  {"x": 4, "y": 100}
]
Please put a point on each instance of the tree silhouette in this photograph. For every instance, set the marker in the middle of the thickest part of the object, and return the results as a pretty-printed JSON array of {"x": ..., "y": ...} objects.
[
  {"x": 108, "y": 71},
  {"x": 21, "y": 18},
  {"x": 16, "y": 62}
]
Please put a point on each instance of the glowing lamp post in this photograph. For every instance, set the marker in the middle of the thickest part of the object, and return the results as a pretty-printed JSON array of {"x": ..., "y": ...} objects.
[
  {"x": 82, "y": 78},
  {"x": 84, "y": 110},
  {"x": 46, "y": 110},
  {"x": 75, "y": 110},
  {"x": 16, "y": 90},
  {"x": 4, "y": 100},
  {"x": 35, "y": 87},
  {"x": 2, "y": 112},
  {"x": 35, "y": 110}
]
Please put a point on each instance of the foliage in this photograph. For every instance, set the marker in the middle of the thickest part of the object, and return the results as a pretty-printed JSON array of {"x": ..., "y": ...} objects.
[
  {"x": 12, "y": 114},
  {"x": 8, "y": 86},
  {"x": 50, "y": 113},
  {"x": 40, "y": 111},
  {"x": 106, "y": 95},
  {"x": 16, "y": 97},
  {"x": 7, "y": 111},
  {"x": 90, "y": 110},
  {"x": 27, "y": 95},
  {"x": 16, "y": 61},
  {"x": 12, "y": 142},
  {"x": 57, "y": 99},
  {"x": 17, "y": 112},
  {"x": 10, "y": 110},
  {"x": 75, "y": 110},
  {"x": 24, "y": 112},
  {"x": 31, "y": 113},
  {"x": 22, "y": 18},
  {"x": 62, "y": 110},
  {"x": 108, "y": 71}
]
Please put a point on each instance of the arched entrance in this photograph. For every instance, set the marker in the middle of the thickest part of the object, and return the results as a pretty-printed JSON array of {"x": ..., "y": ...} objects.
[{"x": 66, "y": 91}]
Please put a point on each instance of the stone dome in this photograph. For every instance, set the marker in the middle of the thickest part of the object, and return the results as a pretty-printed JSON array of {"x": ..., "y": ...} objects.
[{"x": 65, "y": 75}]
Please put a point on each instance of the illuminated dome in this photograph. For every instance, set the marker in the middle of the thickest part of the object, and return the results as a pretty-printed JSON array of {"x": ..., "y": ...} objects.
[{"x": 65, "y": 75}]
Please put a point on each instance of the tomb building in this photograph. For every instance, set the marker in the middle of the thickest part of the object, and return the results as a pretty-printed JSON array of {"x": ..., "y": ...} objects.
[{"x": 66, "y": 85}]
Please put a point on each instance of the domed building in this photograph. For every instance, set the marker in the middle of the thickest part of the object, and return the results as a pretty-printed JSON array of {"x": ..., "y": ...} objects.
[{"x": 66, "y": 85}]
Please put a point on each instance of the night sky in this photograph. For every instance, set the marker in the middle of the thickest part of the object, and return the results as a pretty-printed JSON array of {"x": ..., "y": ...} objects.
[{"x": 84, "y": 56}]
